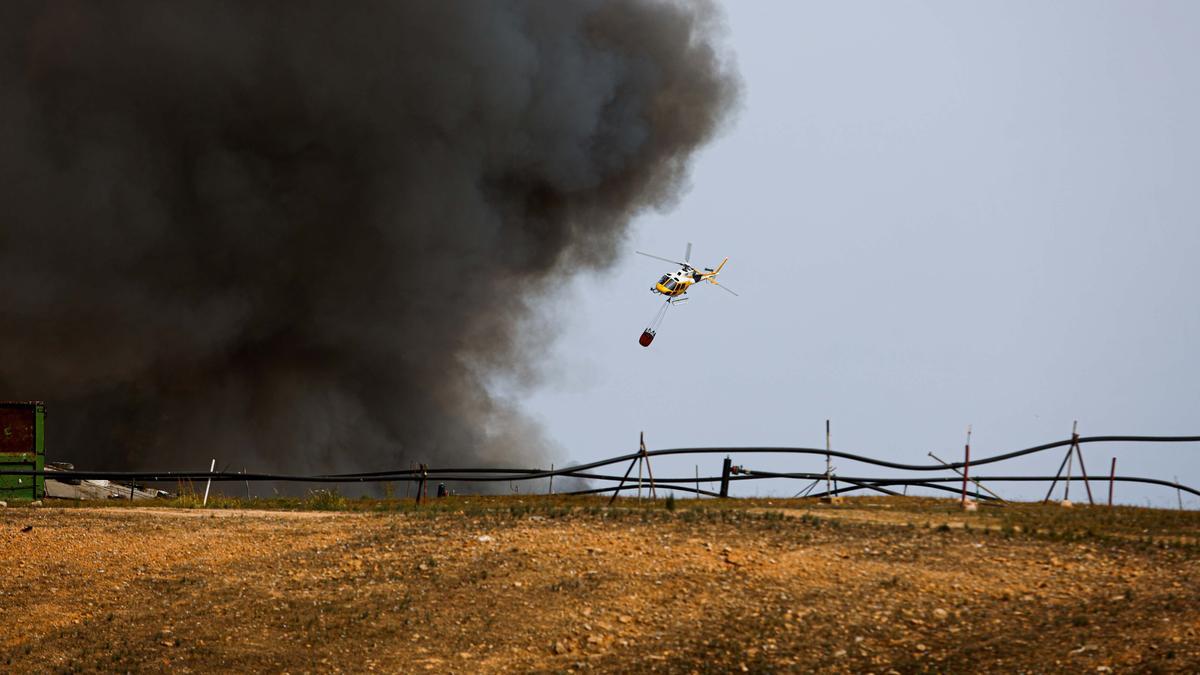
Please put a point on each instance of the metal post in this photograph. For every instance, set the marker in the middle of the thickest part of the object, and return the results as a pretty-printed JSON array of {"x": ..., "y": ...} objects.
[
  {"x": 620, "y": 485},
  {"x": 697, "y": 481},
  {"x": 1067, "y": 482},
  {"x": 808, "y": 489},
  {"x": 551, "y": 491},
  {"x": 639, "y": 461},
  {"x": 649, "y": 469},
  {"x": 966, "y": 465},
  {"x": 979, "y": 485},
  {"x": 1083, "y": 473},
  {"x": 1056, "y": 475},
  {"x": 828, "y": 463},
  {"x": 1082, "y": 468},
  {"x": 1112, "y": 474},
  {"x": 1178, "y": 493},
  {"x": 212, "y": 467},
  {"x": 725, "y": 477},
  {"x": 421, "y": 485}
]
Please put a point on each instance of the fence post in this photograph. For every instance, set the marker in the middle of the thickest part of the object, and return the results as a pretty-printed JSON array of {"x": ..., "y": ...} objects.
[{"x": 725, "y": 477}]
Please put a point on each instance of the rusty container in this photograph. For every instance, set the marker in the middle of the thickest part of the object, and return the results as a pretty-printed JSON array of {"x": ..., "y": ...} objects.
[
  {"x": 22, "y": 448},
  {"x": 646, "y": 338}
]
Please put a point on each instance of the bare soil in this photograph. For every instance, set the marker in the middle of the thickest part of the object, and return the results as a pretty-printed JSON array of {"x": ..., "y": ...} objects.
[{"x": 506, "y": 584}]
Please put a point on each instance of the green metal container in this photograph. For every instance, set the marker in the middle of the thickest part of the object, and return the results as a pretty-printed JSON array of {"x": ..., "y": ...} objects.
[{"x": 22, "y": 448}]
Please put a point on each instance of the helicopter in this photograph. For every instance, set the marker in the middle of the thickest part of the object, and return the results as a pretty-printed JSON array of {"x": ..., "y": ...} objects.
[{"x": 676, "y": 284}]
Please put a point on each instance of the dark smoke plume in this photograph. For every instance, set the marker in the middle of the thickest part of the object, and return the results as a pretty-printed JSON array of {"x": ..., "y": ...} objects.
[{"x": 305, "y": 235}]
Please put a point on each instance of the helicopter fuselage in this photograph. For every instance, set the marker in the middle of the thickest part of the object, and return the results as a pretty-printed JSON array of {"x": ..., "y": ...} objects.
[{"x": 677, "y": 283}]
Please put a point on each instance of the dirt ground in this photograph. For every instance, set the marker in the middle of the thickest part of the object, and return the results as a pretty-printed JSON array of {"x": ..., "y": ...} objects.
[{"x": 506, "y": 584}]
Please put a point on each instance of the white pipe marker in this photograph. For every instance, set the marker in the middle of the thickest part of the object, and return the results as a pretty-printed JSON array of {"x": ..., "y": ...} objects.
[{"x": 211, "y": 468}]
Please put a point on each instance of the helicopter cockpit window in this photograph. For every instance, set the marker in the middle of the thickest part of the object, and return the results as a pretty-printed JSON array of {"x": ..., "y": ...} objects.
[{"x": 669, "y": 283}]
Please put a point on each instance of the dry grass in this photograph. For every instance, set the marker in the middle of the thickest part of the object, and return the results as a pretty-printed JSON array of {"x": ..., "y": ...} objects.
[{"x": 471, "y": 584}]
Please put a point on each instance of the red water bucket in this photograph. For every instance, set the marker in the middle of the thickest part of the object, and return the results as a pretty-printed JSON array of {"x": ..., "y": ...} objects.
[{"x": 646, "y": 338}]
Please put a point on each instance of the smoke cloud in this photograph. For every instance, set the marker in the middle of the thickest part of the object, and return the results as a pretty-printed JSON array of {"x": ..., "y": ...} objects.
[{"x": 304, "y": 236}]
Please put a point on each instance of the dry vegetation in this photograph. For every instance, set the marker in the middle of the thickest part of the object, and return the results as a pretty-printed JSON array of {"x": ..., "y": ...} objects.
[{"x": 472, "y": 584}]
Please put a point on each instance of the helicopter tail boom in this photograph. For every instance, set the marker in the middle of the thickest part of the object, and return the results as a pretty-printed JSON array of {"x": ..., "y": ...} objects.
[
  {"x": 711, "y": 274},
  {"x": 711, "y": 277}
]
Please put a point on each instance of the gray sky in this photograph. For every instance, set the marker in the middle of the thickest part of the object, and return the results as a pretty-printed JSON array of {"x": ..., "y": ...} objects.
[{"x": 937, "y": 214}]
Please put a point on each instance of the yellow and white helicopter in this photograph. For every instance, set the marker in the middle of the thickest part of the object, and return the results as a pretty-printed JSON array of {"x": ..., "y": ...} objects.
[{"x": 676, "y": 284}]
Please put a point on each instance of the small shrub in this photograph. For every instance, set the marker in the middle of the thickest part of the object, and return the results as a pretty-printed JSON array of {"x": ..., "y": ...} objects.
[{"x": 325, "y": 500}]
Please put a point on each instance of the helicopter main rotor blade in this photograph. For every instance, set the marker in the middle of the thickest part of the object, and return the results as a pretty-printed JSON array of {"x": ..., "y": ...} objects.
[
  {"x": 658, "y": 257},
  {"x": 723, "y": 287},
  {"x": 687, "y": 255}
]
